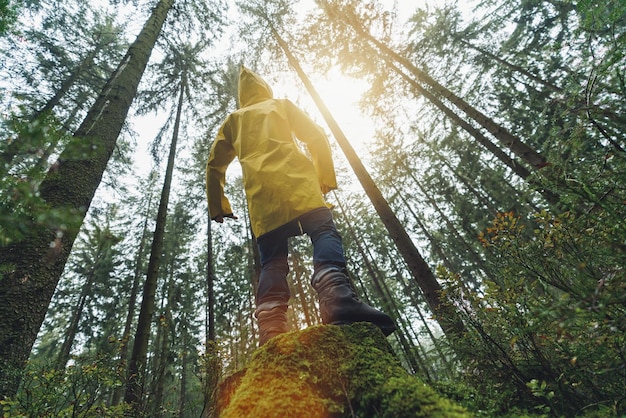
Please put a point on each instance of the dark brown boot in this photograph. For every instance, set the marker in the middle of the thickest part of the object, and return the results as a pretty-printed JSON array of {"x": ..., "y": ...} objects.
[
  {"x": 272, "y": 323},
  {"x": 339, "y": 304}
]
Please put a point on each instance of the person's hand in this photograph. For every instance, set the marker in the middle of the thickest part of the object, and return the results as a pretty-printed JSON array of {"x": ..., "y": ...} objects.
[{"x": 220, "y": 218}]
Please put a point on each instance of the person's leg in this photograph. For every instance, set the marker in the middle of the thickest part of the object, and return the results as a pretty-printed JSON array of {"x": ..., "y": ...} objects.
[
  {"x": 273, "y": 289},
  {"x": 327, "y": 246},
  {"x": 338, "y": 300},
  {"x": 273, "y": 294}
]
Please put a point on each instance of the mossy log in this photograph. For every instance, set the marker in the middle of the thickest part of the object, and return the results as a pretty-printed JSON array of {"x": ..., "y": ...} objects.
[{"x": 330, "y": 371}]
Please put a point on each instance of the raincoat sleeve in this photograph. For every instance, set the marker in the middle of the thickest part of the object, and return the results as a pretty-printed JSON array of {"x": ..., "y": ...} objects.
[
  {"x": 307, "y": 131},
  {"x": 222, "y": 154}
]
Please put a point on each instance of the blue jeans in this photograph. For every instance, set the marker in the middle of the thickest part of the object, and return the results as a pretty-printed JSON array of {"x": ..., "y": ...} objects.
[{"x": 327, "y": 249}]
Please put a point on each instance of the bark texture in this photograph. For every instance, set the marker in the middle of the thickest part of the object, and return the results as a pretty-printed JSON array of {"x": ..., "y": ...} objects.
[{"x": 31, "y": 268}]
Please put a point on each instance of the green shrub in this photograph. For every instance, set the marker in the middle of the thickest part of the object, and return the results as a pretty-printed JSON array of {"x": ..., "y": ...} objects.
[
  {"x": 80, "y": 390},
  {"x": 549, "y": 332}
]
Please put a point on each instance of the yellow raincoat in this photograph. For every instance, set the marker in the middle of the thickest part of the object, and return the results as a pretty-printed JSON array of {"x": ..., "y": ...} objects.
[{"x": 280, "y": 181}]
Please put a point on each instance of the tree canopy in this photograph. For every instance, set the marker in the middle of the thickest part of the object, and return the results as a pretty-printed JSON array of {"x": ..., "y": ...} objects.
[{"x": 481, "y": 161}]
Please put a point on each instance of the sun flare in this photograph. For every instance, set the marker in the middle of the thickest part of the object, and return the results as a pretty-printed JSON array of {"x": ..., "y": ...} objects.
[{"x": 341, "y": 94}]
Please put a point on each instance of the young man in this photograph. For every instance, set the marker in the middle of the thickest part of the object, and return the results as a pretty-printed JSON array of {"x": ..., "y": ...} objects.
[{"x": 284, "y": 191}]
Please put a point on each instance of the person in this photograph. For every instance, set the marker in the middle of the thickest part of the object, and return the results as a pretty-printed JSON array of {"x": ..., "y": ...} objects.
[{"x": 285, "y": 196}]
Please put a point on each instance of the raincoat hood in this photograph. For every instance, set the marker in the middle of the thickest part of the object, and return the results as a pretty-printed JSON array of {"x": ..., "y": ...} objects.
[{"x": 252, "y": 88}]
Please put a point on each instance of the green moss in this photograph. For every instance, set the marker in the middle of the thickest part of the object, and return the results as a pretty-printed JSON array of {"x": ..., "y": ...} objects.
[{"x": 330, "y": 371}]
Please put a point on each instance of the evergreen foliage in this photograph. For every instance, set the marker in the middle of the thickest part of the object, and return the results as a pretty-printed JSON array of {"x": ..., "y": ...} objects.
[
  {"x": 8, "y": 15},
  {"x": 495, "y": 136}
]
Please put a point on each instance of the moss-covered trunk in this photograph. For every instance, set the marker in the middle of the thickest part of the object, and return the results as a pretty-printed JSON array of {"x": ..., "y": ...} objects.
[{"x": 330, "y": 371}]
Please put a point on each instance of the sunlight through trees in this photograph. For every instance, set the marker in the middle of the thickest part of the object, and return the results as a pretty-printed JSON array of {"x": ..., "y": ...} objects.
[{"x": 481, "y": 163}]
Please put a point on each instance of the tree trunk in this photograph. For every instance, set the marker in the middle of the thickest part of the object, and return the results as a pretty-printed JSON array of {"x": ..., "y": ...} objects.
[
  {"x": 162, "y": 349},
  {"x": 511, "y": 66},
  {"x": 13, "y": 148},
  {"x": 446, "y": 315},
  {"x": 67, "y": 84},
  {"x": 446, "y": 220},
  {"x": 509, "y": 140},
  {"x": 137, "y": 364},
  {"x": 66, "y": 348},
  {"x": 132, "y": 301},
  {"x": 182, "y": 404},
  {"x": 517, "y": 168},
  {"x": 481, "y": 197},
  {"x": 373, "y": 272},
  {"x": 299, "y": 277},
  {"x": 211, "y": 359},
  {"x": 210, "y": 278},
  {"x": 31, "y": 268},
  {"x": 410, "y": 291}
]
